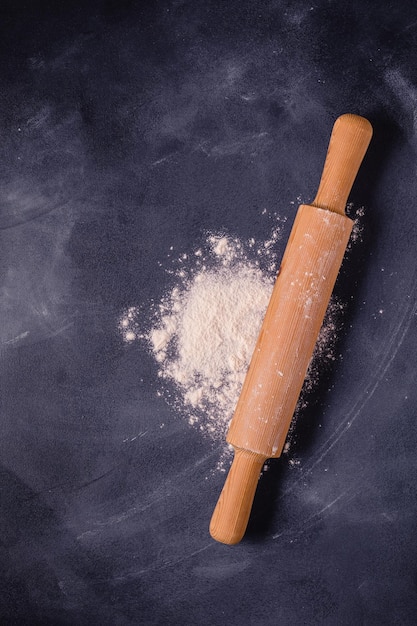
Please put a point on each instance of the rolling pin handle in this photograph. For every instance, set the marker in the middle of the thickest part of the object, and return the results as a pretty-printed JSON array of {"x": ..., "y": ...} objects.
[
  {"x": 348, "y": 143},
  {"x": 231, "y": 515}
]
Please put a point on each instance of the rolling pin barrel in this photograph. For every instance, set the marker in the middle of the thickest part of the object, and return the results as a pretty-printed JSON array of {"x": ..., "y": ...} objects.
[
  {"x": 289, "y": 331},
  {"x": 290, "y": 328}
]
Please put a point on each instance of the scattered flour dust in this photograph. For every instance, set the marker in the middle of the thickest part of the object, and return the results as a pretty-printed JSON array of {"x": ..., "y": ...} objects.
[
  {"x": 128, "y": 325},
  {"x": 203, "y": 331}
]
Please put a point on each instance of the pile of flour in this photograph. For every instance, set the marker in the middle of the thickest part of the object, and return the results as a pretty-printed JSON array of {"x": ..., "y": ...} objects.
[
  {"x": 206, "y": 332},
  {"x": 203, "y": 331}
]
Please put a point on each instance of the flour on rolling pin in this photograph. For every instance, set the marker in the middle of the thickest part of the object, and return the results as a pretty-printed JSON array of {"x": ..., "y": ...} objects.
[{"x": 290, "y": 328}]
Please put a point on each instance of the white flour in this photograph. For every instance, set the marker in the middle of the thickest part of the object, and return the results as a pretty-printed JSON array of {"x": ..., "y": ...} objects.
[
  {"x": 205, "y": 329},
  {"x": 206, "y": 335}
]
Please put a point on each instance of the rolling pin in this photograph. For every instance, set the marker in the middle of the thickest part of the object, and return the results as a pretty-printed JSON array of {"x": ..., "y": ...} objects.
[{"x": 290, "y": 328}]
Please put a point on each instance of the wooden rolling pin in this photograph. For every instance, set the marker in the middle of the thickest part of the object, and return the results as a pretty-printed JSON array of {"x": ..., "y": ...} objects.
[{"x": 290, "y": 328}]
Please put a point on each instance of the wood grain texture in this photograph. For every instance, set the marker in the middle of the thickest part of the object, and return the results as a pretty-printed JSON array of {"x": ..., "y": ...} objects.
[
  {"x": 230, "y": 517},
  {"x": 289, "y": 332},
  {"x": 348, "y": 144}
]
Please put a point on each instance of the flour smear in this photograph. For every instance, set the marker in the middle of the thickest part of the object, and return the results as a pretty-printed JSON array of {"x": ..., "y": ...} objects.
[{"x": 203, "y": 331}]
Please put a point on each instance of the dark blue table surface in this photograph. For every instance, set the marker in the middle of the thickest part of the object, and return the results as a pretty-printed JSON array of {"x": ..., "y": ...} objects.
[{"x": 130, "y": 127}]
